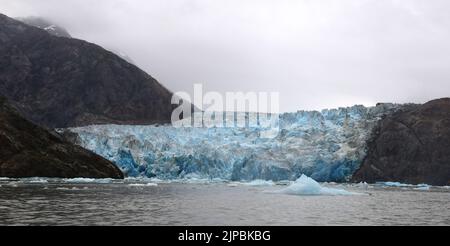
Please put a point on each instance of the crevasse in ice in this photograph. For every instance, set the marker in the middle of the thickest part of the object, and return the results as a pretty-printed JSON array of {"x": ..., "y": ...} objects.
[{"x": 326, "y": 146}]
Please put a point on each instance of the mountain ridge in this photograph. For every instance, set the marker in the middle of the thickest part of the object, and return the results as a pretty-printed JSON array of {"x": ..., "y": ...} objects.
[{"x": 62, "y": 82}]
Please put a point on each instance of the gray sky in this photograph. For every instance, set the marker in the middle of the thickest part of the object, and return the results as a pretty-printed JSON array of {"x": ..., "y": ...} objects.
[{"x": 316, "y": 53}]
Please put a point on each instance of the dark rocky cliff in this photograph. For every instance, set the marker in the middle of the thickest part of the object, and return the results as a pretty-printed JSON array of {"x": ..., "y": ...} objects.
[
  {"x": 62, "y": 82},
  {"x": 27, "y": 150},
  {"x": 410, "y": 146}
]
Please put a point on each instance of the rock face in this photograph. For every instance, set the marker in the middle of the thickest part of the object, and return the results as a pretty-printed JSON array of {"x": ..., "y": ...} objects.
[
  {"x": 62, "y": 82},
  {"x": 27, "y": 150},
  {"x": 410, "y": 146}
]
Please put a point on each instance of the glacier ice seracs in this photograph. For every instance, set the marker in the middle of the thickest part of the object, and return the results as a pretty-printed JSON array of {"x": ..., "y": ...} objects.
[{"x": 327, "y": 146}]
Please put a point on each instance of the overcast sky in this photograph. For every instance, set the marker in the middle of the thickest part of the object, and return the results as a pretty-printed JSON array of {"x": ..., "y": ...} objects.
[{"x": 316, "y": 53}]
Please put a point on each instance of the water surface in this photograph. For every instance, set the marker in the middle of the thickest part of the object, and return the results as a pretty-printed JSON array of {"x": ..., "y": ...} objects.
[{"x": 123, "y": 203}]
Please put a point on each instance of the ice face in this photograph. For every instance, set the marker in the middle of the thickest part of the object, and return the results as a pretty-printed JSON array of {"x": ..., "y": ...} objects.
[{"x": 327, "y": 146}]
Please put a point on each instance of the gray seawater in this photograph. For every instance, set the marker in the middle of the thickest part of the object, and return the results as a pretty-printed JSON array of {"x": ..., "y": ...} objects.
[{"x": 122, "y": 203}]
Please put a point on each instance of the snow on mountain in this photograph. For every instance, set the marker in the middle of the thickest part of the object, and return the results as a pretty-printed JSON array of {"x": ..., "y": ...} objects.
[
  {"x": 327, "y": 146},
  {"x": 46, "y": 25}
]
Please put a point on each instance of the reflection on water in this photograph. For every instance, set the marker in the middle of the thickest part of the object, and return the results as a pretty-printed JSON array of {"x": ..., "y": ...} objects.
[{"x": 114, "y": 203}]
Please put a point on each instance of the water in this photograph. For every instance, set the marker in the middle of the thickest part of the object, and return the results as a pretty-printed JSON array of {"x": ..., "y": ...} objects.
[{"x": 58, "y": 202}]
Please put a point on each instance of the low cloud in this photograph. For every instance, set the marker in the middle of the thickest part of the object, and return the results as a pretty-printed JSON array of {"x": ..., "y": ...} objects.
[{"x": 317, "y": 54}]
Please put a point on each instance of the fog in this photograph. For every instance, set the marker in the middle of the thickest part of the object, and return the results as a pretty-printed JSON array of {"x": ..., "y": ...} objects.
[{"x": 315, "y": 53}]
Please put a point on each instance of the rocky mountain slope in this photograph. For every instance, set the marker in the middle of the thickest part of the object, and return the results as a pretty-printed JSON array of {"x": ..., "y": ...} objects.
[
  {"x": 62, "y": 82},
  {"x": 410, "y": 146},
  {"x": 27, "y": 150},
  {"x": 59, "y": 31},
  {"x": 42, "y": 23}
]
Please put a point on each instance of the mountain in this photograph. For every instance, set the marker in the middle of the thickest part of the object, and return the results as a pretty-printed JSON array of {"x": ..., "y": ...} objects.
[
  {"x": 57, "y": 30},
  {"x": 410, "y": 146},
  {"x": 61, "y": 82},
  {"x": 27, "y": 150},
  {"x": 48, "y": 26}
]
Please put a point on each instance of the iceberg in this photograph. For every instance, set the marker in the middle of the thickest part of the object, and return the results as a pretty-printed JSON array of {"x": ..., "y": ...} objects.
[
  {"x": 327, "y": 146},
  {"x": 307, "y": 186}
]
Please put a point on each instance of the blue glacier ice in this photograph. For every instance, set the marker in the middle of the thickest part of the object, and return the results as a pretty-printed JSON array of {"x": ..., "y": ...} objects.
[{"x": 326, "y": 145}]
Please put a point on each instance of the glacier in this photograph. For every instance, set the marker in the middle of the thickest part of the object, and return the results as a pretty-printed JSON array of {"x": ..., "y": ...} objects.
[{"x": 327, "y": 145}]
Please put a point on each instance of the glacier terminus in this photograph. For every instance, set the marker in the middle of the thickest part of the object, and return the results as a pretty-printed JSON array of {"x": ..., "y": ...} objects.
[{"x": 326, "y": 145}]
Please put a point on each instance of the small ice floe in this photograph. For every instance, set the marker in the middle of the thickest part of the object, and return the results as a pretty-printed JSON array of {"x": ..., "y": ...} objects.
[
  {"x": 423, "y": 187},
  {"x": 363, "y": 185},
  {"x": 35, "y": 180},
  {"x": 394, "y": 184},
  {"x": 63, "y": 188},
  {"x": 80, "y": 180},
  {"x": 13, "y": 184},
  {"x": 307, "y": 186},
  {"x": 89, "y": 180},
  {"x": 143, "y": 185},
  {"x": 233, "y": 184},
  {"x": 260, "y": 182},
  {"x": 72, "y": 188}
]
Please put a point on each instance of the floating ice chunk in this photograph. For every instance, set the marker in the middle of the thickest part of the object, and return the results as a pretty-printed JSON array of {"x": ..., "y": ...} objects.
[
  {"x": 36, "y": 180},
  {"x": 259, "y": 182},
  {"x": 89, "y": 180},
  {"x": 80, "y": 180},
  {"x": 62, "y": 188},
  {"x": 394, "y": 184},
  {"x": 13, "y": 184},
  {"x": 143, "y": 185},
  {"x": 363, "y": 185},
  {"x": 423, "y": 187},
  {"x": 308, "y": 186}
]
